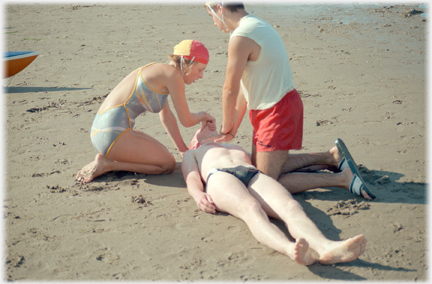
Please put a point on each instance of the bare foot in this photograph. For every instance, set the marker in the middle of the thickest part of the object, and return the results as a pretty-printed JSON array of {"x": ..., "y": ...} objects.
[
  {"x": 344, "y": 251},
  {"x": 93, "y": 170},
  {"x": 336, "y": 157},
  {"x": 348, "y": 179},
  {"x": 302, "y": 254}
]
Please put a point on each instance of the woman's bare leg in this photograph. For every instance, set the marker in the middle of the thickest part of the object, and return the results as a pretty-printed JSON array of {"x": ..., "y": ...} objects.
[
  {"x": 134, "y": 151},
  {"x": 230, "y": 195},
  {"x": 278, "y": 203}
]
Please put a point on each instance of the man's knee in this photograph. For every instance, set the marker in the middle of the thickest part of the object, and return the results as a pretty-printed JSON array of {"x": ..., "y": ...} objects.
[
  {"x": 271, "y": 163},
  {"x": 252, "y": 208},
  {"x": 269, "y": 171},
  {"x": 293, "y": 207}
]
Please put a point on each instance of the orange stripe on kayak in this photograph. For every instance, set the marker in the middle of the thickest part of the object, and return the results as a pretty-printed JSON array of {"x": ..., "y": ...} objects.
[{"x": 15, "y": 66}]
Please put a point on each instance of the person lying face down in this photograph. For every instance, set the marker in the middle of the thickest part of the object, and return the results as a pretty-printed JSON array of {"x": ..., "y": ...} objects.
[{"x": 221, "y": 177}]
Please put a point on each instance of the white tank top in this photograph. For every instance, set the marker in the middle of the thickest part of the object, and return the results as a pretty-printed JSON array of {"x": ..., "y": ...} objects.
[{"x": 265, "y": 81}]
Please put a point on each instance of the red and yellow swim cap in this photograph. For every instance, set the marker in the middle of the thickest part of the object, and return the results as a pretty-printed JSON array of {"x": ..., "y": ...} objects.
[{"x": 192, "y": 50}]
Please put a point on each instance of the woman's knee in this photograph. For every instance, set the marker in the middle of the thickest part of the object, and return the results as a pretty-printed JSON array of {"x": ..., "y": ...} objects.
[{"x": 168, "y": 165}]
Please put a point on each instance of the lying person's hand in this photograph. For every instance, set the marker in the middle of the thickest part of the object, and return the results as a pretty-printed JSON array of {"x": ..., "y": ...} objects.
[{"x": 205, "y": 203}]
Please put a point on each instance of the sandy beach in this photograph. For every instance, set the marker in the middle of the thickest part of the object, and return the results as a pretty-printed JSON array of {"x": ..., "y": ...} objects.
[{"x": 360, "y": 70}]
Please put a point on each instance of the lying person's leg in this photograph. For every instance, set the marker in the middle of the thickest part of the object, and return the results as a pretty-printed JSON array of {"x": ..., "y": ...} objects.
[
  {"x": 230, "y": 195},
  {"x": 278, "y": 203}
]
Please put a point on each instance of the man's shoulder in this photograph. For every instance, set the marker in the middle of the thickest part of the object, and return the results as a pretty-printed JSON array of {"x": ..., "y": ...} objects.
[
  {"x": 251, "y": 21},
  {"x": 252, "y": 27}
]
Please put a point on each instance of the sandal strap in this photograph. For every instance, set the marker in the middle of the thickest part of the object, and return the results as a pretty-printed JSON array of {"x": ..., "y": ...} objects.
[
  {"x": 356, "y": 185},
  {"x": 343, "y": 164}
]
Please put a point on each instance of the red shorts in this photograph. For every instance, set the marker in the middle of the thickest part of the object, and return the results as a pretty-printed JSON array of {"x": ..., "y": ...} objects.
[{"x": 279, "y": 127}]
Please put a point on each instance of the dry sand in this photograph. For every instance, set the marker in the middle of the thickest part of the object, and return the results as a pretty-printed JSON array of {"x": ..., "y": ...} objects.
[{"x": 361, "y": 73}]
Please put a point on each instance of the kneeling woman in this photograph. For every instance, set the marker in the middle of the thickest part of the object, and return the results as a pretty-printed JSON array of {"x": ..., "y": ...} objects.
[{"x": 122, "y": 148}]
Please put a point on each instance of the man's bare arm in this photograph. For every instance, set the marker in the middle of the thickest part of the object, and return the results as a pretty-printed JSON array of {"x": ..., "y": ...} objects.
[{"x": 239, "y": 50}]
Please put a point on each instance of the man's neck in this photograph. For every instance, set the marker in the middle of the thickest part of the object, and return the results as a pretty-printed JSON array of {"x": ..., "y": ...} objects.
[{"x": 235, "y": 18}]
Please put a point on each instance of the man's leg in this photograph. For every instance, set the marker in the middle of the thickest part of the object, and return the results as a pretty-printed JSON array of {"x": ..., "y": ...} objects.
[
  {"x": 283, "y": 161},
  {"x": 270, "y": 163},
  {"x": 278, "y": 203},
  {"x": 300, "y": 182},
  {"x": 274, "y": 164},
  {"x": 330, "y": 159},
  {"x": 230, "y": 195}
]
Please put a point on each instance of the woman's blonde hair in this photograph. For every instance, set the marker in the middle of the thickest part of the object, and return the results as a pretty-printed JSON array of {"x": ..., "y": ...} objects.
[{"x": 177, "y": 61}]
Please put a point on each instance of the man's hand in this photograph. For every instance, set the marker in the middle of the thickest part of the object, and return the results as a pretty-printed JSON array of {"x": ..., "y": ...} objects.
[
  {"x": 218, "y": 138},
  {"x": 205, "y": 203},
  {"x": 228, "y": 127},
  {"x": 224, "y": 138}
]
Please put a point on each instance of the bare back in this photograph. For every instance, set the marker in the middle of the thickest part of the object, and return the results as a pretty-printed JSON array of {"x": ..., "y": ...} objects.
[{"x": 155, "y": 76}]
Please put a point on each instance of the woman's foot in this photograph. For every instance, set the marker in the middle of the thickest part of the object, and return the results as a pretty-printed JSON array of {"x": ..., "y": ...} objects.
[{"x": 93, "y": 170}]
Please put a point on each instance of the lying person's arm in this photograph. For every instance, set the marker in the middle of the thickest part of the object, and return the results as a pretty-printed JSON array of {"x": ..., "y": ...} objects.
[{"x": 194, "y": 183}]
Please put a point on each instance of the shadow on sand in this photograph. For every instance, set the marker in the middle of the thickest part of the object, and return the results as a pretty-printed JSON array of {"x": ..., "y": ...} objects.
[
  {"x": 385, "y": 186},
  {"x": 18, "y": 90}
]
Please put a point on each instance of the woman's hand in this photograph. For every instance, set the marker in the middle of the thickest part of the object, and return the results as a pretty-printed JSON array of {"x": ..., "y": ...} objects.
[
  {"x": 209, "y": 121},
  {"x": 205, "y": 203}
]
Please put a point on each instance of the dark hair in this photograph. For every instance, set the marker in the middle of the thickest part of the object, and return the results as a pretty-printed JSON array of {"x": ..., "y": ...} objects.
[
  {"x": 234, "y": 6},
  {"x": 231, "y": 6}
]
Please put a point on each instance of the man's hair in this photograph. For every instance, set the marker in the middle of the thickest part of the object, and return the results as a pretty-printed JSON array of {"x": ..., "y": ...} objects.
[
  {"x": 234, "y": 6},
  {"x": 231, "y": 6}
]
